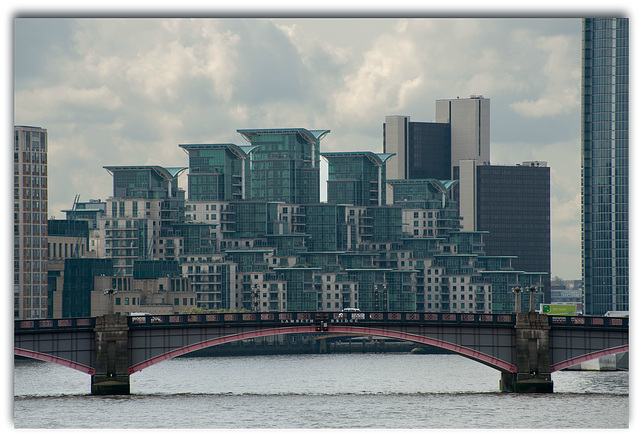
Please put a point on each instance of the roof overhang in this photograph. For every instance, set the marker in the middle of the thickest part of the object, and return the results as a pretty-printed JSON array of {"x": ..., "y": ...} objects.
[
  {"x": 168, "y": 173},
  {"x": 311, "y": 136}
]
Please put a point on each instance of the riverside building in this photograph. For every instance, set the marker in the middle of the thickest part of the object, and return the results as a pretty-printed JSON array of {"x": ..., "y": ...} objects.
[
  {"x": 512, "y": 204},
  {"x": 285, "y": 166},
  {"x": 605, "y": 164},
  {"x": 357, "y": 178},
  {"x": 267, "y": 252}
]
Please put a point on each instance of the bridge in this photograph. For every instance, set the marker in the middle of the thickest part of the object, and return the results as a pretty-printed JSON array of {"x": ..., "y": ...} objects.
[{"x": 525, "y": 347}]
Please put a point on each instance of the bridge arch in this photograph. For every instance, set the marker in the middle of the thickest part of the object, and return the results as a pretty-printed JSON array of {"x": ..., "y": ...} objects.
[
  {"x": 49, "y": 358},
  {"x": 586, "y": 357},
  {"x": 360, "y": 331}
]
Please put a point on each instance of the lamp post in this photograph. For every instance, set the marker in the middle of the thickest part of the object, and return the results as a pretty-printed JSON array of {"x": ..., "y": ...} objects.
[
  {"x": 517, "y": 291},
  {"x": 375, "y": 296},
  {"x": 532, "y": 294},
  {"x": 385, "y": 296}
]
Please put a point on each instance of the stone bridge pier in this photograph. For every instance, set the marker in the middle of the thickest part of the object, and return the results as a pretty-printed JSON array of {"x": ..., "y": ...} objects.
[
  {"x": 111, "y": 375},
  {"x": 533, "y": 358}
]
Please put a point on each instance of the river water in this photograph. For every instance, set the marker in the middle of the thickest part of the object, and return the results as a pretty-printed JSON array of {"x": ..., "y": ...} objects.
[{"x": 334, "y": 391}]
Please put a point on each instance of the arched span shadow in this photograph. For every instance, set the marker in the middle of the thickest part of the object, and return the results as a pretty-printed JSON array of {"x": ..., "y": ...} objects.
[
  {"x": 585, "y": 358},
  {"x": 53, "y": 359},
  {"x": 360, "y": 331}
]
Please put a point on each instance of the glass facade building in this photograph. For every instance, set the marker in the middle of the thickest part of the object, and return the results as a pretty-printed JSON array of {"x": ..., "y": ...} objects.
[
  {"x": 267, "y": 243},
  {"x": 79, "y": 277},
  {"x": 605, "y": 164},
  {"x": 513, "y": 206},
  {"x": 357, "y": 178},
  {"x": 286, "y": 166},
  {"x": 423, "y": 150},
  {"x": 148, "y": 182},
  {"x": 218, "y": 172},
  {"x": 138, "y": 219}
]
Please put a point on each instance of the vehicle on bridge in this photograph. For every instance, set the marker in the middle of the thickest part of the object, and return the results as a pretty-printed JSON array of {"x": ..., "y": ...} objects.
[{"x": 355, "y": 313}]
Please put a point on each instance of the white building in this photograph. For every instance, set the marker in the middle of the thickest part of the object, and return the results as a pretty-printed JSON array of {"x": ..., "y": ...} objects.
[{"x": 470, "y": 127}]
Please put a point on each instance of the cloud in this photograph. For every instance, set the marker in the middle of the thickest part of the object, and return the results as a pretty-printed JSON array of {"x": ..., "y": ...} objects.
[
  {"x": 68, "y": 100},
  {"x": 128, "y": 91},
  {"x": 561, "y": 73},
  {"x": 379, "y": 85}
]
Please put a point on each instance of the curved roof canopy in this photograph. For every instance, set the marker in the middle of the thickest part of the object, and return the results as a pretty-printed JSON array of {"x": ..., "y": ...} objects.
[
  {"x": 378, "y": 159},
  {"x": 311, "y": 136},
  {"x": 241, "y": 151},
  {"x": 440, "y": 185},
  {"x": 168, "y": 173}
]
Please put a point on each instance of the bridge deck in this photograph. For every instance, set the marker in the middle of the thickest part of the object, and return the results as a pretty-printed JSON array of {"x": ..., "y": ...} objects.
[{"x": 279, "y": 318}]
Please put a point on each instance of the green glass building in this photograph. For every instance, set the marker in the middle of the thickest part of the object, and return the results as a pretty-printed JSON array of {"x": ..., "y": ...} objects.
[
  {"x": 286, "y": 166},
  {"x": 357, "y": 178},
  {"x": 79, "y": 275},
  {"x": 218, "y": 172},
  {"x": 301, "y": 293},
  {"x": 148, "y": 182},
  {"x": 322, "y": 226}
]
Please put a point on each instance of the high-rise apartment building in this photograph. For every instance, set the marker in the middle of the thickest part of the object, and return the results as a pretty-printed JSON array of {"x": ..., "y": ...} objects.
[
  {"x": 30, "y": 223},
  {"x": 280, "y": 249},
  {"x": 138, "y": 221},
  {"x": 470, "y": 127},
  {"x": 605, "y": 164},
  {"x": 286, "y": 166},
  {"x": 357, "y": 178},
  {"x": 218, "y": 172}
]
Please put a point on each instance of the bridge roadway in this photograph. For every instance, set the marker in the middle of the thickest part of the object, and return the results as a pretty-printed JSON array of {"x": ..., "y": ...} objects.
[{"x": 525, "y": 347}]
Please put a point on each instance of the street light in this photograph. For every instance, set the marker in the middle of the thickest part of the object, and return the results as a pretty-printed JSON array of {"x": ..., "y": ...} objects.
[
  {"x": 517, "y": 291},
  {"x": 384, "y": 295},
  {"x": 532, "y": 293},
  {"x": 375, "y": 296}
]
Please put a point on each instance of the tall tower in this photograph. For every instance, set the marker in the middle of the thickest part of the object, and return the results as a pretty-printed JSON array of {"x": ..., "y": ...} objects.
[
  {"x": 139, "y": 218},
  {"x": 470, "y": 128},
  {"x": 357, "y": 178},
  {"x": 218, "y": 172},
  {"x": 605, "y": 164},
  {"x": 30, "y": 223},
  {"x": 286, "y": 166},
  {"x": 423, "y": 150},
  {"x": 512, "y": 204}
]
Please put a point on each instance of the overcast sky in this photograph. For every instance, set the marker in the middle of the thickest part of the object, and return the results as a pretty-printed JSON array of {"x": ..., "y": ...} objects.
[{"x": 128, "y": 91}]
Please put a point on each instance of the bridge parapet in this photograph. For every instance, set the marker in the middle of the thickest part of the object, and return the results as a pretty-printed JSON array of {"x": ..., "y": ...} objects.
[
  {"x": 63, "y": 324},
  {"x": 588, "y": 322},
  {"x": 276, "y": 318},
  {"x": 77, "y": 324}
]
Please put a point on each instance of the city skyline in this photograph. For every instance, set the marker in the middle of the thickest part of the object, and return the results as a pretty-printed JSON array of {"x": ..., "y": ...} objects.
[{"x": 129, "y": 91}]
